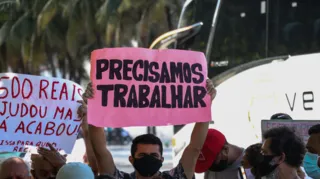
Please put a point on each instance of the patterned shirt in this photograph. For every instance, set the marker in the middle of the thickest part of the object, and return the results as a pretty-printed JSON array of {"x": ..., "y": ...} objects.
[{"x": 175, "y": 173}]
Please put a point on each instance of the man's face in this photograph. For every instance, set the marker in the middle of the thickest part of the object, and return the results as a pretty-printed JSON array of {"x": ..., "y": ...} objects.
[
  {"x": 223, "y": 155},
  {"x": 221, "y": 162},
  {"x": 14, "y": 170},
  {"x": 313, "y": 144},
  {"x": 147, "y": 160},
  {"x": 148, "y": 149},
  {"x": 269, "y": 166}
]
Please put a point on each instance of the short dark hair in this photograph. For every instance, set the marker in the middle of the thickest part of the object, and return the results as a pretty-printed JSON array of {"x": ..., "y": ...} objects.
[
  {"x": 146, "y": 139},
  {"x": 284, "y": 140},
  {"x": 314, "y": 129},
  {"x": 253, "y": 154}
]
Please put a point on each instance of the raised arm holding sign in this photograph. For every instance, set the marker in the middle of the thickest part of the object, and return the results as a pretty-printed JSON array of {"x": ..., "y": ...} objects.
[
  {"x": 148, "y": 147},
  {"x": 120, "y": 103}
]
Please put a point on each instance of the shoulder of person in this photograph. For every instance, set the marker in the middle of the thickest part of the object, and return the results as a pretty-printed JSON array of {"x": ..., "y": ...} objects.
[
  {"x": 117, "y": 175},
  {"x": 176, "y": 172}
]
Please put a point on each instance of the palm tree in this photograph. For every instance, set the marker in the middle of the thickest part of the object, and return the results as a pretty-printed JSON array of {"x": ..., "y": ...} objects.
[{"x": 58, "y": 35}]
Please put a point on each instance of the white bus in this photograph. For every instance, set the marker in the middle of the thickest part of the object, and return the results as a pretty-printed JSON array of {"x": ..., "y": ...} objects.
[{"x": 262, "y": 57}]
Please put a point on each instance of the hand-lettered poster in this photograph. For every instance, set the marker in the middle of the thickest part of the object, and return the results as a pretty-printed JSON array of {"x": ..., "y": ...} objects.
[
  {"x": 301, "y": 127},
  {"x": 37, "y": 110},
  {"x": 143, "y": 87}
]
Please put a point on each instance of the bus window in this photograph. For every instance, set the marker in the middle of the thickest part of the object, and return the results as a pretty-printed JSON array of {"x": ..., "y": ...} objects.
[
  {"x": 198, "y": 11},
  {"x": 294, "y": 27},
  {"x": 239, "y": 36}
]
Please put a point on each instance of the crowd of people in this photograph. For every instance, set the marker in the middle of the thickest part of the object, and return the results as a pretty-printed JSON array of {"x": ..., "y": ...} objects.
[{"x": 282, "y": 155}]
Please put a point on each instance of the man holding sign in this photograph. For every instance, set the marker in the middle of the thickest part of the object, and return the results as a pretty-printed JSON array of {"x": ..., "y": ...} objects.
[
  {"x": 146, "y": 151},
  {"x": 167, "y": 87}
]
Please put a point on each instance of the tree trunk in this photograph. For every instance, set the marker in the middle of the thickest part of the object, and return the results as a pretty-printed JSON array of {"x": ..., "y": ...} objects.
[
  {"x": 53, "y": 68},
  {"x": 144, "y": 28},
  {"x": 72, "y": 70},
  {"x": 99, "y": 40},
  {"x": 50, "y": 59},
  {"x": 80, "y": 74},
  {"x": 28, "y": 69},
  {"x": 169, "y": 19},
  {"x": 63, "y": 66},
  {"x": 118, "y": 34},
  {"x": 21, "y": 67},
  {"x": 4, "y": 64}
]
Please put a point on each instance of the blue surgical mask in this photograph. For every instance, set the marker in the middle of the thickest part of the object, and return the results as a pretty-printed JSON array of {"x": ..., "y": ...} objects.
[{"x": 310, "y": 164}]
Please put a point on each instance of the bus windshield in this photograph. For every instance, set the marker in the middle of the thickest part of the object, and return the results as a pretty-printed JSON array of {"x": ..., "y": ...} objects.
[{"x": 249, "y": 30}]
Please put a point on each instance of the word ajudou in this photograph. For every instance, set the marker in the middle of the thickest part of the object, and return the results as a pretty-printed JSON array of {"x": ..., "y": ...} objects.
[{"x": 144, "y": 96}]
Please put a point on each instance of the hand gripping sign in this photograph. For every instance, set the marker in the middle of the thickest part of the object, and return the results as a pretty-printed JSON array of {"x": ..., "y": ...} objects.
[
  {"x": 142, "y": 87},
  {"x": 37, "y": 110}
]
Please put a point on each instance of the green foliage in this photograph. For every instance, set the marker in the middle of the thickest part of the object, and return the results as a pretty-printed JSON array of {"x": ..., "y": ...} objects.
[{"x": 35, "y": 33}]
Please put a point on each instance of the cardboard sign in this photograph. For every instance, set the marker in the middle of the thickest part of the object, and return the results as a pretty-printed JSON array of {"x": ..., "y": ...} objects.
[
  {"x": 37, "y": 110},
  {"x": 301, "y": 126},
  {"x": 142, "y": 87}
]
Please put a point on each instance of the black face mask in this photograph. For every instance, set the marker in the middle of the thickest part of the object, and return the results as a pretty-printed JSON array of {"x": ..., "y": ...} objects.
[
  {"x": 265, "y": 167},
  {"x": 147, "y": 165},
  {"x": 223, "y": 164}
]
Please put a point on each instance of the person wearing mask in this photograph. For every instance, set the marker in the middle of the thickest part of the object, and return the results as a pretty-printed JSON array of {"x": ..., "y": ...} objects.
[
  {"x": 284, "y": 116},
  {"x": 252, "y": 159},
  {"x": 146, "y": 150},
  {"x": 311, "y": 160},
  {"x": 283, "y": 153},
  {"x": 218, "y": 158},
  {"x": 14, "y": 168}
]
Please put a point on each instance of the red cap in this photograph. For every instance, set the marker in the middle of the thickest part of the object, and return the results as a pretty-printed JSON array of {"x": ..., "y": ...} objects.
[{"x": 212, "y": 146}]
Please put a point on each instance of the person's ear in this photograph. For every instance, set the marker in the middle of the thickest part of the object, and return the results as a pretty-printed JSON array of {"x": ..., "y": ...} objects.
[
  {"x": 225, "y": 150},
  {"x": 282, "y": 158},
  {"x": 131, "y": 160},
  {"x": 162, "y": 159}
]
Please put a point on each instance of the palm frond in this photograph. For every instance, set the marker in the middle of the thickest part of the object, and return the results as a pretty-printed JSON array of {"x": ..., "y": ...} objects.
[{"x": 46, "y": 15}]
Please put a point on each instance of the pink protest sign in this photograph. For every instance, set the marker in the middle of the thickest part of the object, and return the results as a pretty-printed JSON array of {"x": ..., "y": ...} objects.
[{"x": 142, "y": 87}]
